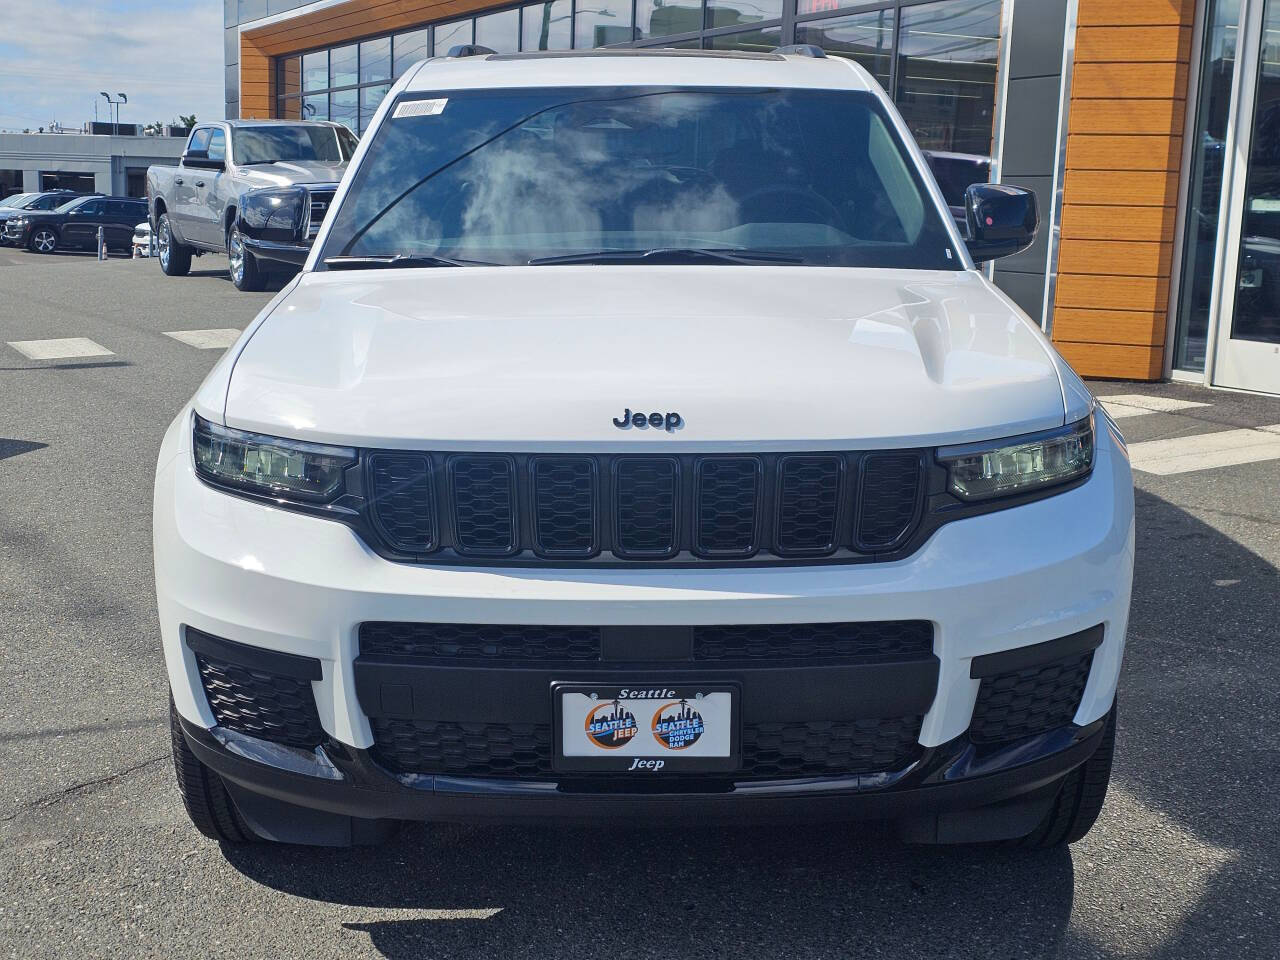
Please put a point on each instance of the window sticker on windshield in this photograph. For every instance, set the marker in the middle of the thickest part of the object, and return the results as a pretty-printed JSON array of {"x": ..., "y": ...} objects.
[{"x": 420, "y": 108}]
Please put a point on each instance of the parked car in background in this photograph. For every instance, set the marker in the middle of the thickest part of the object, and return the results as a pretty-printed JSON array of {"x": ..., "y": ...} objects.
[
  {"x": 142, "y": 239},
  {"x": 74, "y": 225},
  {"x": 194, "y": 206},
  {"x": 24, "y": 202}
]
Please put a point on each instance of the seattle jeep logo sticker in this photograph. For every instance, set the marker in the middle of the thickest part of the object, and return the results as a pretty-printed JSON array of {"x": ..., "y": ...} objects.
[
  {"x": 611, "y": 725},
  {"x": 677, "y": 725}
]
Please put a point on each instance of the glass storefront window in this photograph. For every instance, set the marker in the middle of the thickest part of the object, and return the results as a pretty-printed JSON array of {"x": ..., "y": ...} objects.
[
  {"x": 290, "y": 108},
  {"x": 597, "y": 23},
  {"x": 1257, "y": 307},
  {"x": 315, "y": 107},
  {"x": 344, "y": 108},
  {"x": 370, "y": 97},
  {"x": 727, "y": 13},
  {"x": 499, "y": 31},
  {"x": 1204, "y": 191},
  {"x": 408, "y": 49},
  {"x": 315, "y": 70},
  {"x": 864, "y": 37},
  {"x": 664, "y": 18},
  {"x": 947, "y": 53},
  {"x": 342, "y": 66},
  {"x": 449, "y": 35},
  {"x": 755, "y": 41},
  {"x": 375, "y": 60},
  {"x": 546, "y": 26}
]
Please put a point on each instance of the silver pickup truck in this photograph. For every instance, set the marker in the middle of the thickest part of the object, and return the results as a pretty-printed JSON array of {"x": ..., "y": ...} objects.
[{"x": 195, "y": 207}]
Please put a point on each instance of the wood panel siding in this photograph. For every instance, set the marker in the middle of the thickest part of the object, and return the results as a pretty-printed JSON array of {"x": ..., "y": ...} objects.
[
  {"x": 1120, "y": 187},
  {"x": 332, "y": 25}
]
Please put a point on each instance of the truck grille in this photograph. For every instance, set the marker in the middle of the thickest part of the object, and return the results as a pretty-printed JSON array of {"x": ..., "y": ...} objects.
[
  {"x": 321, "y": 200},
  {"x": 770, "y": 751},
  {"x": 438, "y": 507}
]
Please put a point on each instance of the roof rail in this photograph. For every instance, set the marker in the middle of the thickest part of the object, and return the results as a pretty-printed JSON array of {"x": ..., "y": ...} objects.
[
  {"x": 470, "y": 50},
  {"x": 801, "y": 50}
]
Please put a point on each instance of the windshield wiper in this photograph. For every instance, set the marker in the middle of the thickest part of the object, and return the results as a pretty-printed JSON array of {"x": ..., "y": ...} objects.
[
  {"x": 399, "y": 260},
  {"x": 669, "y": 255}
]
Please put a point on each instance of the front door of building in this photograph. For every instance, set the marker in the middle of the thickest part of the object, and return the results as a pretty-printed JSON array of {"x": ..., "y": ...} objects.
[{"x": 1246, "y": 338}]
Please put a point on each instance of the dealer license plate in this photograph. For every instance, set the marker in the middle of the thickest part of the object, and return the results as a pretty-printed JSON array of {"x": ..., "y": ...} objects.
[{"x": 646, "y": 729}]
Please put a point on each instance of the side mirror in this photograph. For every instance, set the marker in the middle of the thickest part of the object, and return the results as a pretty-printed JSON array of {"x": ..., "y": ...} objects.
[
  {"x": 200, "y": 159},
  {"x": 1001, "y": 219}
]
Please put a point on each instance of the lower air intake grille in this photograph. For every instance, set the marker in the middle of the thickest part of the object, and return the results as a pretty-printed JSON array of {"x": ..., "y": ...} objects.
[
  {"x": 464, "y": 641},
  {"x": 263, "y": 705},
  {"x": 770, "y": 751},
  {"x": 829, "y": 748},
  {"x": 1031, "y": 701},
  {"x": 463, "y": 749},
  {"x": 870, "y": 642}
]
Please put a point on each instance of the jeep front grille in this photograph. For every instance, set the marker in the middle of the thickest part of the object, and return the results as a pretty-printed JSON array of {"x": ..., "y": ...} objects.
[{"x": 436, "y": 507}]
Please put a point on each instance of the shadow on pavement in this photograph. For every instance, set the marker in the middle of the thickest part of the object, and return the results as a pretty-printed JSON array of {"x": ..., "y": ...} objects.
[{"x": 590, "y": 890}]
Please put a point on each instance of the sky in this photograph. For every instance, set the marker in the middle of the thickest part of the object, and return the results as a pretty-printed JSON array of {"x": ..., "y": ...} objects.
[{"x": 56, "y": 55}]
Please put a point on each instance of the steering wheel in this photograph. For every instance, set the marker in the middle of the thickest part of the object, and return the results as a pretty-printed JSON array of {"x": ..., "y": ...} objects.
[{"x": 827, "y": 211}]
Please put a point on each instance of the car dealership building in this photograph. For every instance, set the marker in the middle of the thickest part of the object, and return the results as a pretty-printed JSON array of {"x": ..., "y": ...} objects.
[{"x": 1149, "y": 129}]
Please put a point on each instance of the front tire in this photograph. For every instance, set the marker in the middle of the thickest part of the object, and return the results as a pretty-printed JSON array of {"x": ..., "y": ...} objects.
[
  {"x": 175, "y": 258},
  {"x": 1076, "y": 808},
  {"x": 205, "y": 796},
  {"x": 241, "y": 264},
  {"x": 43, "y": 240}
]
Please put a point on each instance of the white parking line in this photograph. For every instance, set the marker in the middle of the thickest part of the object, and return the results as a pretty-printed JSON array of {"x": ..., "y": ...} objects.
[
  {"x": 218, "y": 338},
  {"x": 65, "y": 348},
  {"x": 1206, "y": 451},
  {"x": 1137, "y": 405}
]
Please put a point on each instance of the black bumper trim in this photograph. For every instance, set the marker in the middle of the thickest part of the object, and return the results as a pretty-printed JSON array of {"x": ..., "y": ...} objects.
[
  {"x": 955, "y": 776},
  {"x": 254, "y": 658},
  {"x": 1022, "y": 658}
]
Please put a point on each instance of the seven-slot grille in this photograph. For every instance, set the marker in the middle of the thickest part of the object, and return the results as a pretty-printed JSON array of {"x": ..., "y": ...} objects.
[{"x": 645, "y": 508}]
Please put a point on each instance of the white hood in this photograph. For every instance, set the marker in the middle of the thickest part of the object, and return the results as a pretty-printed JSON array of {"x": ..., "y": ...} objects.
[{"x": 758, "y": 358}]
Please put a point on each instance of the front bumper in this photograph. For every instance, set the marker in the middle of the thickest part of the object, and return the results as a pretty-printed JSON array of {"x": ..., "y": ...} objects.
[{"x": 1008, "y": 580}]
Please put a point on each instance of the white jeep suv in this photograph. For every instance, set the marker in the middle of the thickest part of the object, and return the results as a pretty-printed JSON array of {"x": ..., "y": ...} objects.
[{"x": 641, "y": 440}]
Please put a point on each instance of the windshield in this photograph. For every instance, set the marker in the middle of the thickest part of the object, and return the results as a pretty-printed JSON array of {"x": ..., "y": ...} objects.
[
  {"x": 815, "y": 177},
  {"x": 271, "y": 144},
  {"x": 72, "y": 204},
  {"x": 16, "y": 200}
]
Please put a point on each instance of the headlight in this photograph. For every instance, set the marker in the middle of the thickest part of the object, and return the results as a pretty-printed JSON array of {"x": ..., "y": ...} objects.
[
  {"x": 1020, "y": 464},
  {"x": 269, "y": 466}
]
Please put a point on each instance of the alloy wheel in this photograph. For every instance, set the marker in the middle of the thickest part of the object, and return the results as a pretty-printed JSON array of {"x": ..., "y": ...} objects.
[
  {"x": 235, "y": 256},
  {"x": 45, "y": 241},
  {"x": 162, "y": 241}
]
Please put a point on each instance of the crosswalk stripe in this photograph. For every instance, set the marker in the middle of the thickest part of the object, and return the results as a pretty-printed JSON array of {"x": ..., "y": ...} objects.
[
  {"x": 1205, "y": 451},
  {"x": 1137, "y": 405},
  {"x": 63, "y": 348},
  {"x": 217, "y": 338}
]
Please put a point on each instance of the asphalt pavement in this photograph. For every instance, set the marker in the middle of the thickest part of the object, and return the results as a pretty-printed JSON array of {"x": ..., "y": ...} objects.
[{"x": 97, "y": 858}]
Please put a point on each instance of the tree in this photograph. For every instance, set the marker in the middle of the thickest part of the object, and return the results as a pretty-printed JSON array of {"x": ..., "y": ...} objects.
[{"x": 187, "y": 119}]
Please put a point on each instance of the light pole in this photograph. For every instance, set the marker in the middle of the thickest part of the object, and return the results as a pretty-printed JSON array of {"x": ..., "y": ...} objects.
[{"x": 120, "y": 98}]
